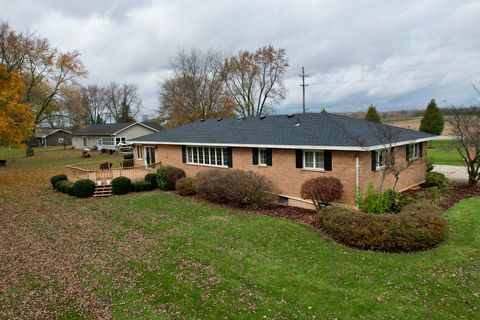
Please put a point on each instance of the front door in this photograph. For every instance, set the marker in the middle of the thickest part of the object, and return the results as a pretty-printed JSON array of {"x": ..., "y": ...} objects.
[
  {"x": 84, "y": 141},
  {"x": 150, "y": 155}
]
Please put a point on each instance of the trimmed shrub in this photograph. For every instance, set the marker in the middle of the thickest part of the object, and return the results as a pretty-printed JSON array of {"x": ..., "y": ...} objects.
[
  {"x": 185, "y": 187},
  {"x": 429, "y": 165},
  {"x": 435, "y": 179},
  {"x": 139, "y": 186},
  {"x": 121, "y": 185},
  {"x": 55, "y": 179},
  {"x": 152, "y": 178},
  {"x": 322, "y": 191},
  {"x": 128, "y": 156},
  {"x": 162, "y": 177},
  {"x": 84, "y": 188},
  {"x": 68, "y": 188},
  {"x": 60, "y": 185},
  {"x": 173, "y": 176},
  {"x": 235, "y": 187},
  {"x": 416, "y": 227}
]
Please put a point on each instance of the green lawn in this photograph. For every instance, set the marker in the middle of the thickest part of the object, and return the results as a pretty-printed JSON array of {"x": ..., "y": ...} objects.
[
  {"x": 156, "y": 255},
  {"x": 206, "y": 262},
  {"x": 444, "y": 152},
  {"x": 12, "y": 152}
]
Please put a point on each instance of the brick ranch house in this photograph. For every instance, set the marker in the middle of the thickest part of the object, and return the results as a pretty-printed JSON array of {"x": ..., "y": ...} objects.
[{"x": 290, "y": 149}]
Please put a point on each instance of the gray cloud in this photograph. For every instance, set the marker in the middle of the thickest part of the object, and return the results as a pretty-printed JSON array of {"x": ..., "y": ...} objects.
[{"x": 389, "y": 53}]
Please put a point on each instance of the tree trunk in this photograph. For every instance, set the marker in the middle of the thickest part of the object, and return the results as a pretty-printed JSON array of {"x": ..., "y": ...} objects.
[{"x": 29, "y": 151}]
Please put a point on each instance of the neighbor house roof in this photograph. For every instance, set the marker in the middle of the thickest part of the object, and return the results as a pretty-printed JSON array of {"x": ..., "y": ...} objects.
[
  {"x": 45, "y": 132},
  {"x": 110, "y": 129},
  {"x": 312, "y": 130}
]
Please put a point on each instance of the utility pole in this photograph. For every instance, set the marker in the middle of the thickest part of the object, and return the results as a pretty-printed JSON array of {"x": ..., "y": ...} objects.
[{"x": 303, "y": 85}]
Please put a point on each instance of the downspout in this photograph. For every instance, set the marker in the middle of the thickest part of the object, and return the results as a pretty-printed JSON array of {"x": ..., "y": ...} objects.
[{"x": 356, "y": 176}]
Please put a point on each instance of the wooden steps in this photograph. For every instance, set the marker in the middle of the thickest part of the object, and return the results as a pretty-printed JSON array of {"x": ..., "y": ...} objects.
[{"x": 102, "y": 191}]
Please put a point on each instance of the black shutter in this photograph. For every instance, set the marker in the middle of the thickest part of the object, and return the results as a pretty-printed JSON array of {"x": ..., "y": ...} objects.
[
  {"x": 184, "y": 154},
  {"x": 230, "y": 157},
  {"x": 299, "y": 158},
  {"x": 254, "y": 156},
  {"x": 420, "y": 149},
  {"x": 392, "y": 154},
  {"x": 374, "y": 160},
  {"x": 407, "y": 152},
  {"x": 269, "y": 157},
  {"x": 327, "y": 160}
]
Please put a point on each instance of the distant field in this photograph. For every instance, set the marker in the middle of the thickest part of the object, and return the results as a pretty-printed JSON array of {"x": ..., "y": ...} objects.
[{"x": 414, "y": 123}]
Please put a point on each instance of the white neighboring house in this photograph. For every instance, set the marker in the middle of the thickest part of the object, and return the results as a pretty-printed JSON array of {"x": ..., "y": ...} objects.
[{"x": 108, "y": 136}]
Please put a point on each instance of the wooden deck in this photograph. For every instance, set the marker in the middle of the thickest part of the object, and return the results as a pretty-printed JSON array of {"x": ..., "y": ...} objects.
[{"x": 104, "y": 177}]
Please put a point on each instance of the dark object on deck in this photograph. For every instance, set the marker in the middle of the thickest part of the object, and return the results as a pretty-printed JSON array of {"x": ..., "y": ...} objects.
[
  {"x": 128, "y": 163},
  {"x": 3, "y": 163},
  {"x": 86, "y": 154},
  {"x": 106, "y": 166}
]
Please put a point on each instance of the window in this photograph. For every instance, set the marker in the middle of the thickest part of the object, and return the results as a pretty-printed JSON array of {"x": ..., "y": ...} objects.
[
  {"x": 413, "y": 151},
  {"x": 262, "y": 157},
  {"x": 207, "y": 156},
  {"x": 107, "y": 141},
  {"x": 139, "y": 152},
  {"x": 313, "y": 160},
  {"x": 381, "y": 159},
  {"x": 120, "y": 139},
  {"x": 60, "y": 140}
]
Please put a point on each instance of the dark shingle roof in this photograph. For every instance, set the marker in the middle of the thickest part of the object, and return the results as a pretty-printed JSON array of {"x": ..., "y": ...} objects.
[
  {"x": 110, "y": 128},
  {"x": 311, "y": 129},
  {"x": 45, "y": 132}
]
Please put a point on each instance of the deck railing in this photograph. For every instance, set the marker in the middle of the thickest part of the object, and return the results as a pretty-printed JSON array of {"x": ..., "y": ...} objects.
[{"x": 92, "y": 171}]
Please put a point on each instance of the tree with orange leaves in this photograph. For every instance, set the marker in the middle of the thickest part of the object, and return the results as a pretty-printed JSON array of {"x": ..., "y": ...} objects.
[{"x": 16, "y": 120}]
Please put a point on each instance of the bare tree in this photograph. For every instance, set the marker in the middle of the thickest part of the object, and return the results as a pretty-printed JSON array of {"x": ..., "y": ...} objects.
[
  {"x": 466, "y": 127},
  {"x": 123, "y": 101},
  {"x": 196, "y": 90},
  {"x": 94, "y": 100},
  {"x": 254, "y": 80}
]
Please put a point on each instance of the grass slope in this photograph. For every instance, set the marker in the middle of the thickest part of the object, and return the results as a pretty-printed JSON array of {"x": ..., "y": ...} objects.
[{"x": 444, "y": 152}]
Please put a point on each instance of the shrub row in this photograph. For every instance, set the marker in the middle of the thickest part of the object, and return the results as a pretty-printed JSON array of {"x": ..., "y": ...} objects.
[
  {"x": 235, "y": 187},
  {"x": 417, "y": 227},
  {"x": 139, "y": 186}
]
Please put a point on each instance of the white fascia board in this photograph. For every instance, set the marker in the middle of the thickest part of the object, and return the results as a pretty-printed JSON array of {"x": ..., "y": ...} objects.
[
  {"x": 274, "y": 146},
  {"x": 139, "y": 123}
]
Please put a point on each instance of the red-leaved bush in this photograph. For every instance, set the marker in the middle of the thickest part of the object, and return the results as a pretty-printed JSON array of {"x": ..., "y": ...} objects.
[
  {"x": 173, "y": 176},
  {"x": 322, "y": 191}
]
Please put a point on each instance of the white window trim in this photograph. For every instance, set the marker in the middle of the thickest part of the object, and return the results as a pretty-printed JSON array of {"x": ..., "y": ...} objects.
[
  {"x": 377, "y": 162},
  {"x": 139, "y": 155},
  {"x": 412, "y": 148},
  {"x": 189, "y": 151},
  {"x": 260, "y": 164},
  {"x": 314, "y": 161}
]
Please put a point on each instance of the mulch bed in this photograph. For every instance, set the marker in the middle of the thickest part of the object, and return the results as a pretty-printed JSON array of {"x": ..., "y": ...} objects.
[
  {"x": 457, "y": 192},
  {"x": 300, "y": 215}
]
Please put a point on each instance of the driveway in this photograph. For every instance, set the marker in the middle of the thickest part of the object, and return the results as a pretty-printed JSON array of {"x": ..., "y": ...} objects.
[{"x": 457, "y": 173}]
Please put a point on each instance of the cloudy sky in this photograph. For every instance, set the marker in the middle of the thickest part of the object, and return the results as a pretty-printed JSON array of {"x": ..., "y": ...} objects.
[{"x": 394, "y": 54}]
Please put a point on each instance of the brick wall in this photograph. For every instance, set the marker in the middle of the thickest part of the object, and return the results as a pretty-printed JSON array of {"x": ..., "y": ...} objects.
[{"x": 288, "y": 179}]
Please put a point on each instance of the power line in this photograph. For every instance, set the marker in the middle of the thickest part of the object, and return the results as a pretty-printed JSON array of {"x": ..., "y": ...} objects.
[
  {"x": 303, "y": 85},
  {"x": 392, "y": 79}
]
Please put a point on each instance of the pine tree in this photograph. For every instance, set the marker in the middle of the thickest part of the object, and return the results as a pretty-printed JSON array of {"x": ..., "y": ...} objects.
[
  {"x": 432, "y": 121},
  {"x": 372, "y": 115}
]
